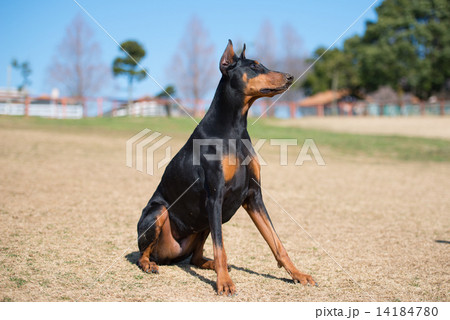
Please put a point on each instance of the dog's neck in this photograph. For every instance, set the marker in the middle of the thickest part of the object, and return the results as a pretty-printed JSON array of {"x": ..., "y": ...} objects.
[{"x": 226, "y": 110}]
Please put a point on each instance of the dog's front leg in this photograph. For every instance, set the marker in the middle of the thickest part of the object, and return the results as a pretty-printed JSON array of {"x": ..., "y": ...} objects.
[
  {"x": 256, "y": 209},
  {"x": 214, "y": 207}
]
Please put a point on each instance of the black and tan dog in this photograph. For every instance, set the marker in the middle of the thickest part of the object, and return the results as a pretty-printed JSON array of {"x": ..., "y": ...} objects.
[{"x": 194, "y": 199}]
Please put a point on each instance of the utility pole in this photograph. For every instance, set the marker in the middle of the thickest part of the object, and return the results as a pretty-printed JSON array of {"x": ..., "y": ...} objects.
[
  {"x": 8, "y": 76},
  {"x": 334, "y": 86}
]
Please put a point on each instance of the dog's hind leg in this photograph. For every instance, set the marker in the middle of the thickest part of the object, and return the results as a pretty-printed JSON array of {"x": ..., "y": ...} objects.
[
  {"x": 198, "y": 259},
  {"x": 149, "y": 229}
]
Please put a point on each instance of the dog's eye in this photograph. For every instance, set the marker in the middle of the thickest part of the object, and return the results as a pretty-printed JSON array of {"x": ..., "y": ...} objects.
[{"x": 254, "y": 66}]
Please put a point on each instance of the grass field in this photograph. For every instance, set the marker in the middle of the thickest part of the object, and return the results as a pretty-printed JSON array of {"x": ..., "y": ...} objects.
[{"x": 374, "y": 221}]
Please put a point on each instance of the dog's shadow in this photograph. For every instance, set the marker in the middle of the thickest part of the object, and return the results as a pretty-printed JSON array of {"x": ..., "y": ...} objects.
[
  {"x": 133, "y": 257},
  {"x": 184, "y": 265}
]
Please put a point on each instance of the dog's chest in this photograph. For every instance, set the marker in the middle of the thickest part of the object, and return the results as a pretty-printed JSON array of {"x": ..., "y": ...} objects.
[{"x": 236, "y": 190}]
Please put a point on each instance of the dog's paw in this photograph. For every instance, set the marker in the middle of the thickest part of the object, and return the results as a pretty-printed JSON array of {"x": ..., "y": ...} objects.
[
  {"x": 148, "y": 266},
  {"x": 204, "y": 264},
  {"x": 303, "y": 279},
  {"x": 208, "y": 264},
  {"x": 225, "y": 286}
]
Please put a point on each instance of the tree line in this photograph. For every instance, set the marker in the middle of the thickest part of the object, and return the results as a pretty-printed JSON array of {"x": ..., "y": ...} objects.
[
  {"x": 78, "y": 70},
  {"x": 407, "y": 48}
]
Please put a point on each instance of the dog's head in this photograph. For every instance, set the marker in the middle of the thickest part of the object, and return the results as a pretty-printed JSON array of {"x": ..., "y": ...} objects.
[{"x": 250, "y": 76}]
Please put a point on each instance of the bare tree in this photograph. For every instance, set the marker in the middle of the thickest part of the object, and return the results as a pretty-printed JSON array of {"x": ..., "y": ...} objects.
[
  {"x": 266, "y": 45},
  {"x": 294, "y": 59},
  {"x": 266, "y": 52},
  {"x": 76, "y": 67},
  {"x": 194, "y": 62}
]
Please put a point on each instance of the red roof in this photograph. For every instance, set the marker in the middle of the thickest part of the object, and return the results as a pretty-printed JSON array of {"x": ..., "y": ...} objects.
[{"x": 323, "y": 98}]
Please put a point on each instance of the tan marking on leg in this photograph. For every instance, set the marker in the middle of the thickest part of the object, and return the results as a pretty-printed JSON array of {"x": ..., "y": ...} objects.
[
  {"x": 255, "y": 168},
  {"x": 224, "y": 283},
  {"x": 167, "y": 248},
  {"x": 144, "y": 261},
  {"x": 267, "y": 231},
  {"x": 198, "y": 259}
]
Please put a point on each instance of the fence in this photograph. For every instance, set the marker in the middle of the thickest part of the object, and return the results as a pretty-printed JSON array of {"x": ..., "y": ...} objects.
[
  {"x": 283, "y": 109},
  {"x": 68, "y": 111},
  {"x": 75, "y": 108}
]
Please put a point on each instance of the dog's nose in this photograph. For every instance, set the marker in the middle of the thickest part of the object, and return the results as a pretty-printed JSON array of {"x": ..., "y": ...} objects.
[{"x": 289, "y": 78}]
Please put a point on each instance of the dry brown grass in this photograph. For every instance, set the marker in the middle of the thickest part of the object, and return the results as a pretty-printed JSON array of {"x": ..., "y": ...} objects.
[
  {"x": 69, "y": 208},
  {"x": 429, "y": 126}
]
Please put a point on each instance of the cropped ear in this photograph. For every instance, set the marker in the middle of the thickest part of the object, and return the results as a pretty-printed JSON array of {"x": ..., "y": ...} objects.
[
  {"x": 242, "y": 53},
  {"x": 228, "y": 58}
]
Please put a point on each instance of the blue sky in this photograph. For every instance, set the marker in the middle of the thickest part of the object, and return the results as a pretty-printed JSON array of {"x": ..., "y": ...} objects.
[{"x": 31, "y": 30}]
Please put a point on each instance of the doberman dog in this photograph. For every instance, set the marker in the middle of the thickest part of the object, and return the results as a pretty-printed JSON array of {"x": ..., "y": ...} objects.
[{"x": 197, "y": 195}]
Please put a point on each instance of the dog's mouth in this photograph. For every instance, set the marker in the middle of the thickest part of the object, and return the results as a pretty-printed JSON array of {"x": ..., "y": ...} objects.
[{"x": 275, "y": 90}]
